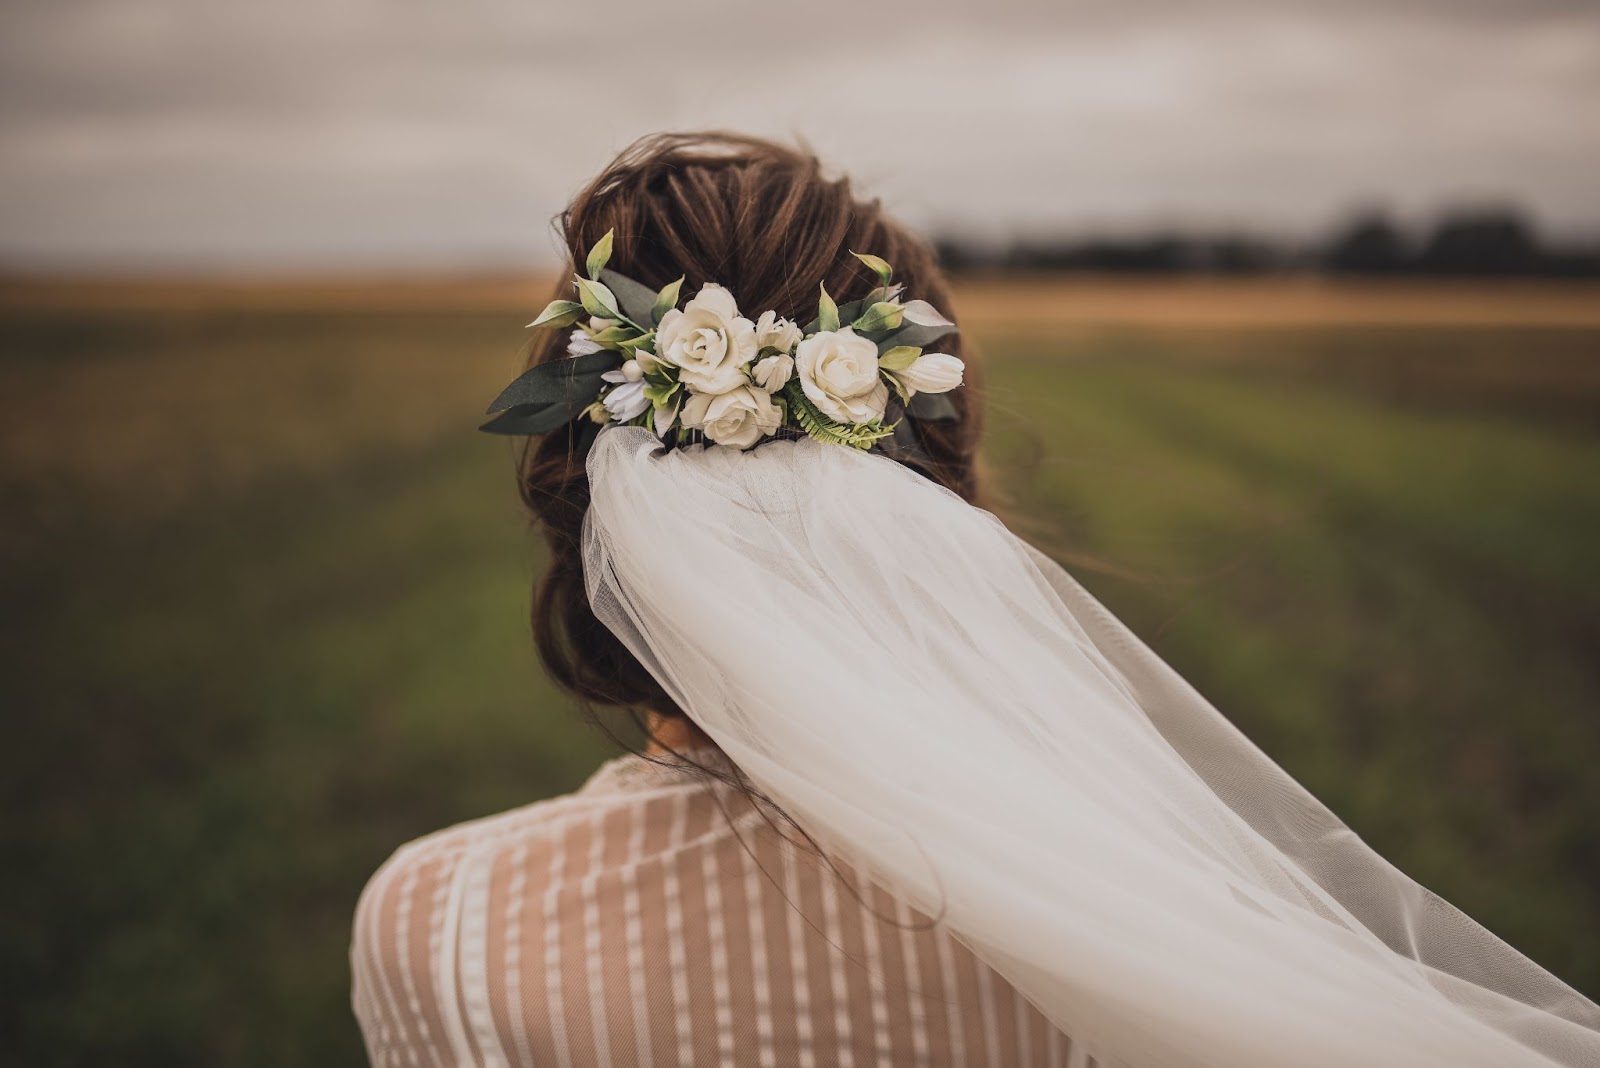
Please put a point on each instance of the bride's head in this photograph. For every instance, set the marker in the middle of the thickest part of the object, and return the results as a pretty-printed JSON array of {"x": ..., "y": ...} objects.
[{"x": 762, "y": 220}]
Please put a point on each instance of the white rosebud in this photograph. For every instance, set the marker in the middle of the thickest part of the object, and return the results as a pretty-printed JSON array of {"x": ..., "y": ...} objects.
[
  {"x": 709, "y": 342},
  {"x": 772, "y": 373},
  {"x": 932, "y": 372},
  {"x": 626, "y": 401},
  {"x": 738, "y": 418},
  {"x": 631, "y": 371},
  {"x": 775, "y": 333},
  {"x": 839, "y": 373},
  {"x": 922, "y": 313},
  {"x": 580, "y": 344}
]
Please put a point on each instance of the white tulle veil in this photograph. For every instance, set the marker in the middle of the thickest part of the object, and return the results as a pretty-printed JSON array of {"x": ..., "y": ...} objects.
[{"x": 943, "y": 705}]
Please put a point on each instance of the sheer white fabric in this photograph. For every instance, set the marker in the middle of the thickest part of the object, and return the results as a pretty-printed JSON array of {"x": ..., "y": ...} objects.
[
  {"x": 952, "y": 713},
  {"x": 655, "y": 918}
]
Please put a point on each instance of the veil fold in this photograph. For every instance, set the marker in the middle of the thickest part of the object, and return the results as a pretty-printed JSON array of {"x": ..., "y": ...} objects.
[{"x": 947, "y": 709}]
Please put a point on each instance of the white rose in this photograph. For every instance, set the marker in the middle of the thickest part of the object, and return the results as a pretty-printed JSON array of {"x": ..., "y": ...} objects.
[
  {"x": 772, "y": 372},
  {"x": 775, "y": 333},
  {"x": 839, "y": 373},
  {"x": 708, "y": 341},
  {"x": 932, "y": 372},
  {"x": 739, "y": 417}
]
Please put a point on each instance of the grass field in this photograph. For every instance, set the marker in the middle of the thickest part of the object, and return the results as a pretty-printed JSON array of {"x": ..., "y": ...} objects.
[{"x": 265, "y": 593}]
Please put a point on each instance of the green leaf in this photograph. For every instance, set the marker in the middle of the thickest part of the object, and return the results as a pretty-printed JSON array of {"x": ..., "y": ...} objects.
[
  {"x": 880, "y": 316},
  {"x": 912, "y": 334},
  {"x": 660, "y": 395},
  {"x": 633, "y": 343},
  {"x": 827, "y": 312},
  {"x": 597, "y": 299},
  {"x": 847, "y": 312},
  {"x": 934, "y": 408},
  {"x": 898, "y": 358},
  {"x": 878, "y": 266},
  {"x": 600, "y": 255},
  {"x": 613, "y": 336},
  {"x": 558, "y": 313},
  {"x": 634, "y": 299},
  {"x": 558, "y": 382},
  {"x": 666, "y": 300}
]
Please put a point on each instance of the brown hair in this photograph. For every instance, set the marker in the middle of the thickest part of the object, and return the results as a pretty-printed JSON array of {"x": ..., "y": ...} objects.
[{"x": 761, "y": 219}]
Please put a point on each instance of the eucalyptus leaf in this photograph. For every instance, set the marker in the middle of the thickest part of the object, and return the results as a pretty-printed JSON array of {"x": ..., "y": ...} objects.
[
  {"x": 665, "y": 301},
  {"x": 558, "y": 313},
  {"x": 899, "y": 357},
  {"x": 633, "y": 299},
  {"x": 600, "y": 255},
  {"x": 912, "y": 334},
  {"x": 924, "y": 314},
  {"x": 827, "y": 312},
  {"x": 558, "y": 382},
  {"x": 528, "y": 419},
  {"x": 934, "y": 408},
  {"x": 597, "y": 299}
]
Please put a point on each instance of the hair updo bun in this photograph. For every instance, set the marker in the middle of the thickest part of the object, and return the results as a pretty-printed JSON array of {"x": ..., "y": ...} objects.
[{"x": 761, "y": 219}]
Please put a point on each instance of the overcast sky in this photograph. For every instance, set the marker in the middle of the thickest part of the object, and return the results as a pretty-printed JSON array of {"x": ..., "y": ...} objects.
[{"x": 445, "y": 133}]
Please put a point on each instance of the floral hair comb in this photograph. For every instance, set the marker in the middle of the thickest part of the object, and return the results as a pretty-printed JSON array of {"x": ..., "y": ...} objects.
[{"x": 849, "y": 377}]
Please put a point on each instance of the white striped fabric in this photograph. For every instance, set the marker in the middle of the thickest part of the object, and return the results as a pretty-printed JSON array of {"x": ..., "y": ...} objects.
[{"x": 657, "y": 918}]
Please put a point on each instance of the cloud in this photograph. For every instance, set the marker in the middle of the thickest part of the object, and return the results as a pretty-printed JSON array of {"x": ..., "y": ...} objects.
[{"x": 395, "y": 133}]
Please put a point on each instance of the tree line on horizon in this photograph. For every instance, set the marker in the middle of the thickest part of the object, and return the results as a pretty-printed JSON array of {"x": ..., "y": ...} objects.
[{"x": 1482, "y": 242}]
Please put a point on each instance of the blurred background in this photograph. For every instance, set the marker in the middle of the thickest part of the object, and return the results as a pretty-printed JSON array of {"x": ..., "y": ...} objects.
[{"x": 1293, "y": 317}]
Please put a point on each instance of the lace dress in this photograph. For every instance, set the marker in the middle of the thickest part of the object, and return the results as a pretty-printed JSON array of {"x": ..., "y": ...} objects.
[{"x": 657, "y": 918}]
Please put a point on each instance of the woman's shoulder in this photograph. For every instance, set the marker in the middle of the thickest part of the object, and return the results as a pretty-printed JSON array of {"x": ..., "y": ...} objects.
[{"x": 623, "y": 782}]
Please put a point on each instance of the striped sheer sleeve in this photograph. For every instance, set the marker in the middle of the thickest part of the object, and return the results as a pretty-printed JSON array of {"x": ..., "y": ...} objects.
[{"x": 657, "y": 919}]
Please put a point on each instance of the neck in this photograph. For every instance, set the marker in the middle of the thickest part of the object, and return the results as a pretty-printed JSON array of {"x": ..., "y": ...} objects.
[{"x": 669, "y": 733}]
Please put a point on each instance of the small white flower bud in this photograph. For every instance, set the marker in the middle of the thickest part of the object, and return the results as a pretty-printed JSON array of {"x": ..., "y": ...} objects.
[
  {"x": 771, "y": 373},
  {"x": 631, "y": 371}
]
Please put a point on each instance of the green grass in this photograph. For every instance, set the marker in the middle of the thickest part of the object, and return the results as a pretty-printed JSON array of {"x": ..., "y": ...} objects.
[{"x": 266, "y": 601}]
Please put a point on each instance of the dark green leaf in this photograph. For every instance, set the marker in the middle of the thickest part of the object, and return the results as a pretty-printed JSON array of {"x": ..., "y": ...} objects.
[
  {"x": 558, "y": 382},
  {"x": 912, "y": 334},
  {"x": 583, "y": 437},
  {"x": 529, "y": 419},
  {"x": 934, "y": 408},
  {"x": 635, "y": 300}
]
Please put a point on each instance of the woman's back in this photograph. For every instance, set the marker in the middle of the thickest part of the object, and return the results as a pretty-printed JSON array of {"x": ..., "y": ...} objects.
[{"x": 657, "y": 918}]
